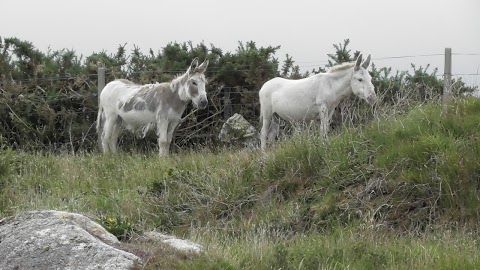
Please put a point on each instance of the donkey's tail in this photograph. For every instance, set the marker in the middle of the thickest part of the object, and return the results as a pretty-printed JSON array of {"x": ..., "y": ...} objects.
[{"x": 100, "y": 118}]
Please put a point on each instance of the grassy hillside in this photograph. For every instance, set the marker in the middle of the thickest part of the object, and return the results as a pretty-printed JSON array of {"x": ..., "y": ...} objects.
[{"x": 395, "y": 194}]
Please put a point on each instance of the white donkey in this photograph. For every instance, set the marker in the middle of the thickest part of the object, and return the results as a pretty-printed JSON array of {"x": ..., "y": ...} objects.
[
  {"x": 141, "y": 107},
  {"x": 312, "y": 98}
]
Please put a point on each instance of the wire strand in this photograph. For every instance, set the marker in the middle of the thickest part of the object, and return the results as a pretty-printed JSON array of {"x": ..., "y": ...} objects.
[
  {"x": 408, "y": 56},
  {"x": 383, "y": 58},
  {"x": 467, "y": 54}
]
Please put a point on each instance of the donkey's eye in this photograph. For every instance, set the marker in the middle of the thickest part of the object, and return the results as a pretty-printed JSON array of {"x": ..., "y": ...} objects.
[
  {"x": 194, "y": 83},
  {"x": 360, "y": 80}
]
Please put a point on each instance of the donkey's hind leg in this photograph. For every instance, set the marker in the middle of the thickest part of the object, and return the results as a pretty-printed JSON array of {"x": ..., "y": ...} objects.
[
  {"x": 270, "y": 128},
  {"x": 107, "y": 133},
  {"x": 274, "y": 128},
  {"x": 266, "y": 120},
  {"x": 116, "y": 129}
]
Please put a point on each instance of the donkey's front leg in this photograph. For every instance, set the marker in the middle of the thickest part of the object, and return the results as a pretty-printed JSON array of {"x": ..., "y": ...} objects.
[
  {"x": 171, "y": 128},
  {"x": 162, "y": 133},
  {"x": 324, "y": 121}
]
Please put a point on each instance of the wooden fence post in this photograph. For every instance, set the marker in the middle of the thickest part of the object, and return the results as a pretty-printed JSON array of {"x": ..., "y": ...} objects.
[
  {"x": 100, "y": 86},
  {"x": 447, "y": 76}
]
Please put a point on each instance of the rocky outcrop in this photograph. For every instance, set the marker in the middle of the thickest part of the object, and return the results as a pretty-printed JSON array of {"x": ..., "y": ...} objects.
[
  {"x": 59, "y": 240},
  {"x": 62, "y": 240}
]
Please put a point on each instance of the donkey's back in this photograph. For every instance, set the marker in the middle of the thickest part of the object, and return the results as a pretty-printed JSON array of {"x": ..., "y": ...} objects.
[
  {"x": 292, "y": 100},
  {"x": 115, "y": 91}
]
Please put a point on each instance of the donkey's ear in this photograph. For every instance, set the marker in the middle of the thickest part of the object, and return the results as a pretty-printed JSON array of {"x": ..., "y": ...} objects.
[
  {"x": 194, "y": 62},
  {"x": 193, "y": 65},
  {"x": 202, "y": 67},
  {"x": 366, "y": 63},
  {"x": 358, "y": 62}
]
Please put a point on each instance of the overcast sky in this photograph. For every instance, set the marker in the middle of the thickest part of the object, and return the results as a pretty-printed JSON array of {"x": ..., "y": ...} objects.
[{"x": 304, "y": 29}]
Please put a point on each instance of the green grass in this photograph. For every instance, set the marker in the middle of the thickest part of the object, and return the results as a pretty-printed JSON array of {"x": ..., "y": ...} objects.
[
  {"x": 396, "y": 194},
  {"x": 346, "y": 248}
]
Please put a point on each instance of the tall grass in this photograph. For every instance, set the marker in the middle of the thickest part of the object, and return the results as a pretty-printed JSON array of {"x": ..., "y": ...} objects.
[
  {"x": 351, "y": 248},
  {"x": 396, "y": 194}
]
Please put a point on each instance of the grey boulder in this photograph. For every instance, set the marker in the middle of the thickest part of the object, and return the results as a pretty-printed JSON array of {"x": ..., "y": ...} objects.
[
  {"x": 59, "y": 240},
  {"x": 237, "y": 130}
]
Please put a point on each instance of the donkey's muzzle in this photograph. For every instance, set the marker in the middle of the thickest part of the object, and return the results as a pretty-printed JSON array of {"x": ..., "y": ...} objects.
[
  {"x": 202, "y": 104},
  {"x": 372, "y": 99}
]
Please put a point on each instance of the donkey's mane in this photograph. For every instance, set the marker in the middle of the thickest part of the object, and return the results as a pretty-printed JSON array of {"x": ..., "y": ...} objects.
[
  {"x": 341, "y": 67},
  {"x": 177, "y": 76},
  {"x": 178, "y": 80},
  {"x": 125, "y": 81}
]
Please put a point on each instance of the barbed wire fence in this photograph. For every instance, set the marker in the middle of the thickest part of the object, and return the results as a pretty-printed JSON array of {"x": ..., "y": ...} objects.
[{"x": 229, "y": 99}]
